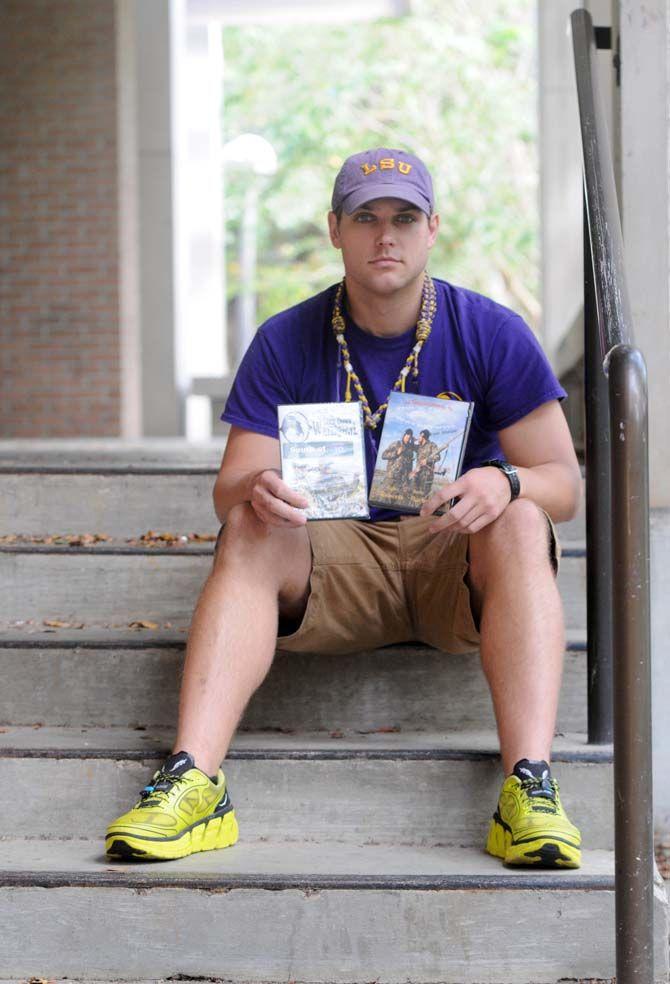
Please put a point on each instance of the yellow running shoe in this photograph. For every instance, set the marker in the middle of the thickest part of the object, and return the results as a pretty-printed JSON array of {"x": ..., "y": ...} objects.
[
  {"x": 530, "y": 825},
  {"x": 180, "y": 812}
]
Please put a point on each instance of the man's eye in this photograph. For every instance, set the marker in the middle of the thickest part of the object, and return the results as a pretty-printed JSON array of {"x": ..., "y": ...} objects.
[
  {"x": 405, "y": 218},
  {"x": 363, "y": 217}
]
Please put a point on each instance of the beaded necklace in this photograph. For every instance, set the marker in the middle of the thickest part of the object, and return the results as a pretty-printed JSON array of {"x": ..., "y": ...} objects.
[{"x": 423, "y": 328}]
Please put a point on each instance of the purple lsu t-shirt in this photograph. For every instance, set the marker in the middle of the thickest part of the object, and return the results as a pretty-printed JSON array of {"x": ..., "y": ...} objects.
[{"x": 478, "y": 350}]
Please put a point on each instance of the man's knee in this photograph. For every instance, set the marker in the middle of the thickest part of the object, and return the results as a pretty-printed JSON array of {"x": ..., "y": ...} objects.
[
  {"x": 244, "y": 538},
  {"x": 519, "y": 535},
  {"x": 241, "y": 520},
  {"x": 238, "y": 525},
  {"x": 521, "y": 523}
]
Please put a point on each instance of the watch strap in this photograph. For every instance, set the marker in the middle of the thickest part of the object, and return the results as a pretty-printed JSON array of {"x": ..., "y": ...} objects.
[{"x": 508, "y": 470}]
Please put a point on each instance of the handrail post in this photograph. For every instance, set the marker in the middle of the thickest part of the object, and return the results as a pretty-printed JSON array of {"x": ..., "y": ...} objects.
[
  {"x": 598, "y": 517},
  {"x": 630, "y": 604},
  {"x": 633, "y": 807}
]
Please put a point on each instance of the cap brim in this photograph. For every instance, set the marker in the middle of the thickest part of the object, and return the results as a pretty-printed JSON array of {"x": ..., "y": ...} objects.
[{"x": 385, "y": 189}]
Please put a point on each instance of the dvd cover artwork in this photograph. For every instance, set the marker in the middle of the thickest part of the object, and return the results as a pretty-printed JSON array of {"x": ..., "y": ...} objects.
[
  {"x": 421, "y": 449},
  {"x": 323, "y": 457}
]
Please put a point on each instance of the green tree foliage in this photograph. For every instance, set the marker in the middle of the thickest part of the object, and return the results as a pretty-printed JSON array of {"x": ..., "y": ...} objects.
[{"x": 454, "y": 82}]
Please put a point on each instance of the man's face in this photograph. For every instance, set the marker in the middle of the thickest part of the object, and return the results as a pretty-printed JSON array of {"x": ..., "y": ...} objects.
[
  {"x": 385, "y": 243},
  {"x": 422, "y": 438},
  {"x": 406, "y": 438}
]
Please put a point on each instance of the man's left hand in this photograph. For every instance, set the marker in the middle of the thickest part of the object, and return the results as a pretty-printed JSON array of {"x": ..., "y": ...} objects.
[{"x": 483, "y": 494}]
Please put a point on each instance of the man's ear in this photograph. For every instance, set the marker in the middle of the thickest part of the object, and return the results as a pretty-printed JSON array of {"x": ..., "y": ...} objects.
[
  {"x": 433, "y": 226},
  {"x": 334, "y": 230}
]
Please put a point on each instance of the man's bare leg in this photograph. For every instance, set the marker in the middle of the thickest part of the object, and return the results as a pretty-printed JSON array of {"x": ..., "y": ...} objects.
[
  {"x": 233, "y": 633},
  {"x": 515, "y": 595}
]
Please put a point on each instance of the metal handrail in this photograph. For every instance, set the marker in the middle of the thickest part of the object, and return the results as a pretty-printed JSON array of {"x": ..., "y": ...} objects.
[{"x": 617, "y": 526}]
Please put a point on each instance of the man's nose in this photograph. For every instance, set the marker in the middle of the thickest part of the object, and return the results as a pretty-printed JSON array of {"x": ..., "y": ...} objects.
[{"x": 386, "y": 232}]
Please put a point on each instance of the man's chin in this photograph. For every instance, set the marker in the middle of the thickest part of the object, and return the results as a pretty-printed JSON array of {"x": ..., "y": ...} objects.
[{"x": 389, "y": 281}]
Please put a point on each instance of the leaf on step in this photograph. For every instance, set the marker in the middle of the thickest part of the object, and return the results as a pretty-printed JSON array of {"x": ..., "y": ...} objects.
[
  {"x": 390, "y": 729},
  {"x": 204, "y": 537},
  {"x": 71, "y": 539},
  {"x": 56, "y": 623},
  {"x": 151, "y": 535},
  {"x": 142, "y": 624},
  {"x": 337, "y": 734}
]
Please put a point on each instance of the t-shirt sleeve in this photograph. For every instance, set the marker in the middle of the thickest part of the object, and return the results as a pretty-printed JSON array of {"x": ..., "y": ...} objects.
[
  {"x": 519, "y": 376},
  {"x": 259, "y": 388}
]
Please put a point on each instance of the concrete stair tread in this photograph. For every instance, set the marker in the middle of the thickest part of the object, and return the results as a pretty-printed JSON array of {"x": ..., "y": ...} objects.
[
  {"x": 66, "y": 486},
  {"x": 134, "y": 545},
  {"x": 34, "y": 634},
  {"x": 138, "y": 744},
  {"x": 131, "y": 546},
  {"x": 277, "y": 864},
  {"x": 281, "y": 911},
  {"x": 95, "y": 586},
  {"x": 410, "y": 787},
  {"x": 165, "y": 454},
  {"x": 129, "y": 677}
]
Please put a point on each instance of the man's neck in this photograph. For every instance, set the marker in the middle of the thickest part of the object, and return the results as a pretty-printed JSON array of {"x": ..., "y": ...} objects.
[{"x": 385, "y": 315}]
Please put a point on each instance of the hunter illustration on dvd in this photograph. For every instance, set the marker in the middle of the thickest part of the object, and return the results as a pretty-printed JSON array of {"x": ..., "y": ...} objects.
[
  {"x": 421, "y": 449},
  {"x": 323, "y": 458}
]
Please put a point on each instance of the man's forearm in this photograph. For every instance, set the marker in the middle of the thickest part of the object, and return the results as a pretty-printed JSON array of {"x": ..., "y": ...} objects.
[{"x": 556, "y": 487}]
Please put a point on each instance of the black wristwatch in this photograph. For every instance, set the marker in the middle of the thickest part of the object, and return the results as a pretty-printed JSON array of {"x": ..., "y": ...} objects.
[{"x": 509, "y": 470}]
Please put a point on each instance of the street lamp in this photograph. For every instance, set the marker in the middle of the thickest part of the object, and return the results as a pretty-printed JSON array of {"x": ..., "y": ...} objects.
[{"x": 257, "y": 157}]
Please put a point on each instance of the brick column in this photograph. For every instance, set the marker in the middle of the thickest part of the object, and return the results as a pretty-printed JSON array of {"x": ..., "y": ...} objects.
[{"x": 59, "y": 341}]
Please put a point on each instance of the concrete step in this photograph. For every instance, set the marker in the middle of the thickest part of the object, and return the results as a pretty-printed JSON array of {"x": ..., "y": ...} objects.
[
  {"x": 282, "y": 912},
  {"x": 405, "y": 787},
  {"x": 112, "y": 453},
  {"x": 132, "y": 678},
  {"x": 117, "y": 504},
  {"x": 108, "y": 486},
  {"x": 112, "y": 487},
  {"x": 122, "y": 503},
  {"x": 102, "y": 585}
]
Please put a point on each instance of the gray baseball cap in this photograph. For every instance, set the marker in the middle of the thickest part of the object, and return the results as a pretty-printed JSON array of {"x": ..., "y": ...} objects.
[{"x": 382, "y": 173}]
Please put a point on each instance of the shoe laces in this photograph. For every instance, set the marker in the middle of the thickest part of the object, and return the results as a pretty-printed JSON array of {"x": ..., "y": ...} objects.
[
  {"x": 159, "y": 789},
  {"x": 542, "y": 794}
]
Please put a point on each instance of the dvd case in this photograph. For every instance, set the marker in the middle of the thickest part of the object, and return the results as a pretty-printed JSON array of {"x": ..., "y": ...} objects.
[
  {"x": 421, "y": 449},
  {"x": 323, "y": 457}
]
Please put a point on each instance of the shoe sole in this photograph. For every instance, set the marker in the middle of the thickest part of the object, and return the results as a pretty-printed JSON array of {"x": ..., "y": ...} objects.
[
  {"x": 542, "y": 852},
  {"x": 207, "y": 835}
]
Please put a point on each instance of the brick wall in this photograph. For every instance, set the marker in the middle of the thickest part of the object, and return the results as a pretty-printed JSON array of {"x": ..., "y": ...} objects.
[{"x": 59, "y": 334}]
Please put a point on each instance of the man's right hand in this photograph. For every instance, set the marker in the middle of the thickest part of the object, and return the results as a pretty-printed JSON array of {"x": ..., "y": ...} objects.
[{"x": 274, "y": 502}]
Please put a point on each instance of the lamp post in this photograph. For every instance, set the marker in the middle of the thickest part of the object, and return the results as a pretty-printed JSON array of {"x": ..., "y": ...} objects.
[{"x": 257, "y": 157}]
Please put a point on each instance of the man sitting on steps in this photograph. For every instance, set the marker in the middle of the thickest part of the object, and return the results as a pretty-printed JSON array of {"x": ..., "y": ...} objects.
[{"x": 481, "y": 575}]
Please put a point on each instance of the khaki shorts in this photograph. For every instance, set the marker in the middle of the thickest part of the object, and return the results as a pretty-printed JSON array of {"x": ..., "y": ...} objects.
[{"x": 374, "y": 584}]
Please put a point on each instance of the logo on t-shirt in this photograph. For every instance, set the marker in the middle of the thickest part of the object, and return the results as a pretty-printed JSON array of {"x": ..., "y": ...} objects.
[{"x": 448, "y": 395}]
